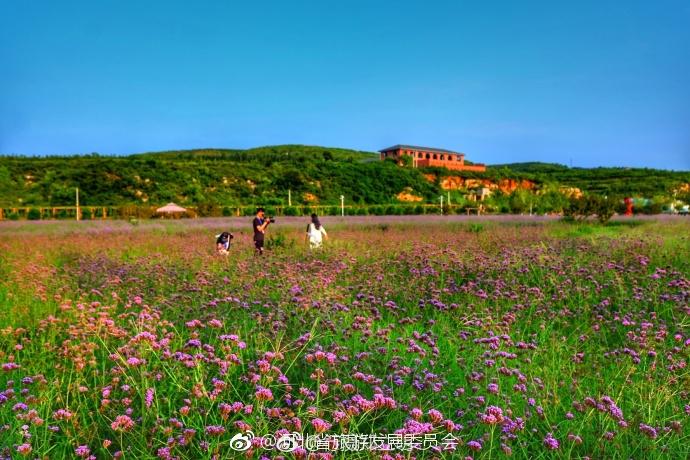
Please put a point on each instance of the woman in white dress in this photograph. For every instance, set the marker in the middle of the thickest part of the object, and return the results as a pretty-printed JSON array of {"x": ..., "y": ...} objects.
[{"x": 315, "y": 233}]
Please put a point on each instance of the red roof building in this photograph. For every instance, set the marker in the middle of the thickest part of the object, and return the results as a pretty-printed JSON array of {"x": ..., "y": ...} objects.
[{"x": 428, "y": 156}]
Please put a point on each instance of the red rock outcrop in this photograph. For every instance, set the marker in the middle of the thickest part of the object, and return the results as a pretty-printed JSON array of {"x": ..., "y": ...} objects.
[{"x": 504, "y": 185}]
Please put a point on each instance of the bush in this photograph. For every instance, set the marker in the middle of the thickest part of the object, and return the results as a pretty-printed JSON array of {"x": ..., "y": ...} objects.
[
  {"x": 392, "y": 210},
  {"x": 209, "y": 210},
  {"x": 279, "y": 240},
  {"x": 377, "y": 210},
  {"x": 34, "y": 214},
  {"x": 291, "y": 211},
  {"x": 591, "y": 205},
  {"x": 653, "y": 207},
  {"x": 475, "y": 228},
  {"x": 138, "y": 212}
]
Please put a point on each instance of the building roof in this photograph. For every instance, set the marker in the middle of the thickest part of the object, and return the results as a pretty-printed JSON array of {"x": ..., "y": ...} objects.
[{"x": 416, "y": 147}]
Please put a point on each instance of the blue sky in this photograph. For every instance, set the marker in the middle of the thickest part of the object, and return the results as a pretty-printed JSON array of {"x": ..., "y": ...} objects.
[{"x": 589, "y": 83}]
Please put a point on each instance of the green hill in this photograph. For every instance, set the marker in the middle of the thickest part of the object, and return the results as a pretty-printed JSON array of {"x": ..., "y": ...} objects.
[
  {"x": 264, "y": 175},
  {"x": 643, "y": 182},
  {"x": 229, "y": 177}
]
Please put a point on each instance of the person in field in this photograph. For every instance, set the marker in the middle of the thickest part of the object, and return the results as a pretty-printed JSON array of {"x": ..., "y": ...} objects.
[
  {"x": 223, "y": 243},
  {"x": 315, "y": 233},
  {"x": 260, "y": 224}
]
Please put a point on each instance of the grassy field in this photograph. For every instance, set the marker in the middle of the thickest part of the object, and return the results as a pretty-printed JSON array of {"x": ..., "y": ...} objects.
[{"x": 472, "y": 338}]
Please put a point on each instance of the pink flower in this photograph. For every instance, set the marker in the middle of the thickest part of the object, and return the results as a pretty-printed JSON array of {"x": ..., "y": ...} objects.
[
  {"x": 264, "y": 394},
  {"x": 24, "y": 449},
  {"x": 550, "y": 442},
  {"x": 320, "y": 425},
  {"x": 122, "y": 423},
  {"x": 149, "y": 397},
  {"x": 134, "y": 361},
  {"x": 435, "y": 415},
  {"x": 10, "y": 367},
  {"x": 215, "y": 430},
  {"x": 82, "y": 451},
  {"x": 492, "y": 416},
  {"x": 62, "y": 414},
  {"x": 474, "y": 445}
]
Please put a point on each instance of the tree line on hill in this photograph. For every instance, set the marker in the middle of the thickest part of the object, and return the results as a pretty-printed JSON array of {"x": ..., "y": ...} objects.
[{"x": 215, "y": 179}]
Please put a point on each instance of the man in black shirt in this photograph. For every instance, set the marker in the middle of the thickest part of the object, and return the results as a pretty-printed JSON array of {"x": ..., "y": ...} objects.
[{"x": 260, "y": 224}]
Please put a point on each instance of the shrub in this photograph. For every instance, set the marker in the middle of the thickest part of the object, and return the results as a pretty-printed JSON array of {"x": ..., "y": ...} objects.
[
  {"x": 377, "y": 210},
  {"x": 392, "y": 210},
  {"x": 34, "y": 214},
  {"x": 209, "y": 210},
  {"x": 475, "y": 228},
  {"x": 279, "y": 240},
  {"x": 591, "y": 205}
]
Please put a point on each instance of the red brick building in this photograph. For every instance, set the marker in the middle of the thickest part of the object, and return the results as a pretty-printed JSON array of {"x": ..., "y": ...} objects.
[{"x": 427, "y": 156}]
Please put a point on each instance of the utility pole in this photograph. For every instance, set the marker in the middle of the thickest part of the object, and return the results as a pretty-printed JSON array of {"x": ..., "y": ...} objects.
[
  {"x": 77, "y": 194},
  {"x": 342, "y": 205},
  {"x": 448, "y": 198},
  {"x": 289, "y": 197},
  {"x": 441, "y": 204}
]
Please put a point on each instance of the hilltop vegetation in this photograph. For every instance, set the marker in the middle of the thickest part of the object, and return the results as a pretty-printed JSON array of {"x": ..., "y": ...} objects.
[
  {"x": 313, "y": 175},
  {"x": 644, "y": 182},
  {"x": 229, "y": 177}
]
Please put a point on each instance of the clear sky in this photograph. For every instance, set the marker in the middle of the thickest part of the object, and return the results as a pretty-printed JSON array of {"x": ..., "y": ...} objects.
[{"x": 586, "y": 83}]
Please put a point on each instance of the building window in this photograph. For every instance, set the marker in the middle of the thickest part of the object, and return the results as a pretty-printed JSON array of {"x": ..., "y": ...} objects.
[
  {"x": 427, "y": 156},
  {"x": 443, "y": 158},
  {"x": 435, "y": 157},
  {"x": 419, "y": 154}
]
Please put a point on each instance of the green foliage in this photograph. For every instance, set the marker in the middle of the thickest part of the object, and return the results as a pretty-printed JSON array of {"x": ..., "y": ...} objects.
[
  {"x": 519, "y": 201},
  {"x": 34, "y": 214},
  {"x": 475, "y": 228},
  {"x": 279, "y": 241},
  {"x": 598, "y": 206},
  {"x": 209, "y": 178},
  {"x": 217, "y": 181},
  {"x": 603, "y": 181},
  {"x": 291, "y": 211}
]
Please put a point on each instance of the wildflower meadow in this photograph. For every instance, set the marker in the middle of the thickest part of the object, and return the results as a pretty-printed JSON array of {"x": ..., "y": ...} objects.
[{"x": 476, "y": 339}]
